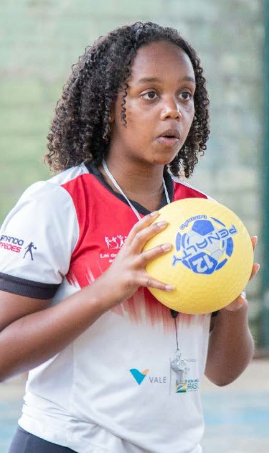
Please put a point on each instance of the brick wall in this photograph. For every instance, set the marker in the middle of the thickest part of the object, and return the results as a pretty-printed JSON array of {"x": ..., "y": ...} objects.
[{"x": 41, "y": 39}]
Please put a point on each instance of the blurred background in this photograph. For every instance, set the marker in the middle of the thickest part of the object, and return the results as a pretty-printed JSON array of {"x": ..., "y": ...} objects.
[{"x": 41, "y": 39}]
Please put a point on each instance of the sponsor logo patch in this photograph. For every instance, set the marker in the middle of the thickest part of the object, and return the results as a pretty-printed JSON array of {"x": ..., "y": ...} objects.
[
  {"x": 138, "y": 375},
  {"x": 11, "y": 243},
  {"x": 29, "y": 250}
]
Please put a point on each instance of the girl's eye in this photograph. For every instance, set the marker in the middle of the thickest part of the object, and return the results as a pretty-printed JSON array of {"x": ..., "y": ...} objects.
[
  {"x": 186, "y": 95},
  {"x": 150, "y": 95}
]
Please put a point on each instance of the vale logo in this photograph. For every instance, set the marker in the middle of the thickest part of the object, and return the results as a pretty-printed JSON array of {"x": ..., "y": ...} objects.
[{"x": 138, "y": 375}]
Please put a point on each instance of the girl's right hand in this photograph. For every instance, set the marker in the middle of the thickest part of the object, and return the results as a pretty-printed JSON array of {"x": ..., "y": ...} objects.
[{"x": 127, "y": 272}]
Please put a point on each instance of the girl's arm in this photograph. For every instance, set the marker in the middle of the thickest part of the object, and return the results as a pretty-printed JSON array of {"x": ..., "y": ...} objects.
[
  {"x": 31, "y": 331},
  {"x": 231, "y": 346},
  {"x": 41, "y": 331}
]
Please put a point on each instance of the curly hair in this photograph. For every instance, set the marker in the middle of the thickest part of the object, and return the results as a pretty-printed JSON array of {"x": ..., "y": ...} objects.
[{"x": 80, "y": 129}]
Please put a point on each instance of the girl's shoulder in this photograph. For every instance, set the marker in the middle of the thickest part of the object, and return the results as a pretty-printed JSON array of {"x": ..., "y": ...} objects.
[
  {"x": 69, "y": 175},
  {"x": 183, "y": 189}
]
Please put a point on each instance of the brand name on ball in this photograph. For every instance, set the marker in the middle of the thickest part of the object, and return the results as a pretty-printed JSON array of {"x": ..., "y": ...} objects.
[
  {"x": 216, "y": 236},
  {"x": 191, "y": 219}
]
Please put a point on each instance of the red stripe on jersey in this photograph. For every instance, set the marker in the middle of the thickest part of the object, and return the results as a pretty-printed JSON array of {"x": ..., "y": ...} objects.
[{"x": 181, "y": 191}]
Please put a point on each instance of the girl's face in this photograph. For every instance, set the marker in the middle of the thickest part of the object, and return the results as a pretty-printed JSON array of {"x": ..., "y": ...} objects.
[{"x": 159, "y": 106}]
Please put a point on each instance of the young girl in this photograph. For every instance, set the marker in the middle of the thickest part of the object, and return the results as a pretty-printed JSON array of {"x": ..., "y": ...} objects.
[{"x": 112, "y": 369}]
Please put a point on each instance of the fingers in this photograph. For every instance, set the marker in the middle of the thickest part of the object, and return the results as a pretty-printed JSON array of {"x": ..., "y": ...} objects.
[
  {"x": 254, "y": 241},
  {"x": 255, "y": 270},
  {"x": 143, "y": 236},
  {"x": 242, "y": 298},
  {"x": 238, "y": 303},
  {"x": 143, "y": 223},
  {"x": 149, "y": 282},
  {"x": 143, "y": 231},
  {"x": 256, "y": 266},
  {"x": 145, "y": 257}
]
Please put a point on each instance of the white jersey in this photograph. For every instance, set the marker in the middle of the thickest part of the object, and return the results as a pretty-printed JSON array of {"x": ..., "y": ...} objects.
[{"x": 114, "y": 389}]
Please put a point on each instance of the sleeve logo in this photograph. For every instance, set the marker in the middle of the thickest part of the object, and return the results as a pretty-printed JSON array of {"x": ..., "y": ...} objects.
[
  {"x": 11, "y": 243},
  {"x": 29, "y": 249}
]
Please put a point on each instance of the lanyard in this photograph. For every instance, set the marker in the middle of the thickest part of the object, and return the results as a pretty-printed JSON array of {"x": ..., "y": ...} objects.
[{"x": 114, "y": 182}]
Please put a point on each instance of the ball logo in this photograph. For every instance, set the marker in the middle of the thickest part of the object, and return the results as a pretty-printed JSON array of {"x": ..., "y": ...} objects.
[{"x": 204, "y": 245}]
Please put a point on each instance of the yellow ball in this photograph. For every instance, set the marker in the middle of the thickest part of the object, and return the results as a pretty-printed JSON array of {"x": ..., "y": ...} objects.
[{"x": 211, "y": 258}]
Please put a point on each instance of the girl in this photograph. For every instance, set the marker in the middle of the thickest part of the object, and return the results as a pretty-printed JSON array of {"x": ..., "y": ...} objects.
[{"x": 112, "y": 369}]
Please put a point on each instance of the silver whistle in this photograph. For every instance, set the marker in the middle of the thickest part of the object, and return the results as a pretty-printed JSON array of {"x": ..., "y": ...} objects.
[{"x": 179, "y": 366}]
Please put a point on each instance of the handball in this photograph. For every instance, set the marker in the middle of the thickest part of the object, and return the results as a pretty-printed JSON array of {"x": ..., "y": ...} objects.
[{"x": 211, "y": 258}]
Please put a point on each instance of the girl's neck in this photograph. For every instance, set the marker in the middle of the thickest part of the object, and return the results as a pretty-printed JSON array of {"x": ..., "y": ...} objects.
[{"x": 139, "y": 182}]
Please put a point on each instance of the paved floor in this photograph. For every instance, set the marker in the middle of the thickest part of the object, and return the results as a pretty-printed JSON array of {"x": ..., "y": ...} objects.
[{"x": 236, "y": 416}]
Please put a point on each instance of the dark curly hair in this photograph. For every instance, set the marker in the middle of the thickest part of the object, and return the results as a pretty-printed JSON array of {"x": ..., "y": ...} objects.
[{"x": 80, "y": 130}]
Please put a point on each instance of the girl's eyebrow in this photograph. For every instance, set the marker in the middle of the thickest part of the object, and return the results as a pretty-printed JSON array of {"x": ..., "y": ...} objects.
[{"x": 155, "y": 79}]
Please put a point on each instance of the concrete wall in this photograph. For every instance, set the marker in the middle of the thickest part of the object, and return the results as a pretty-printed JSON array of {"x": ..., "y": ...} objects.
[{"x": 41, "y": 39}]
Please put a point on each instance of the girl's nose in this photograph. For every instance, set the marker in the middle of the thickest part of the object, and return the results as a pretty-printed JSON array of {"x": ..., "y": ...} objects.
[{"x": 171, "y": 110}]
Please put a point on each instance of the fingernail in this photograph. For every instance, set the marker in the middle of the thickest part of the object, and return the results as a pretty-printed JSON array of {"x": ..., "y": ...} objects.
[
  {"x": 166, "y": 247},
  {"x": 256, "y": 239},
  {"x": 243, "y": 300},
  {"x": 154, "y": 213},
  {"x": 258, "y": 268},
  {"x": 169, "y": 288},
  {"x": 161, "y": 224}
]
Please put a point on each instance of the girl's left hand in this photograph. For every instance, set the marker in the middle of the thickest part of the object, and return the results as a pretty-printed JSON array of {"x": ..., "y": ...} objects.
[{"x": 241, "y": 300}]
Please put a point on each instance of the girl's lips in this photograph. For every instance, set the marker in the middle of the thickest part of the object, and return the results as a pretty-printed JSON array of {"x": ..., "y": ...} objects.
[{"x": 168, "y": 141}]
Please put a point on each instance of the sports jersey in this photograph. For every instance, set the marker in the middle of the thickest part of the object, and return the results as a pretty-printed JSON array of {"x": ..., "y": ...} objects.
[{"x": 112, "y": 389}]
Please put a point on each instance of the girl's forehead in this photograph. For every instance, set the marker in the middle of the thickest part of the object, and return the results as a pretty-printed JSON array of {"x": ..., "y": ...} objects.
[{"x": 158, "y": 58}]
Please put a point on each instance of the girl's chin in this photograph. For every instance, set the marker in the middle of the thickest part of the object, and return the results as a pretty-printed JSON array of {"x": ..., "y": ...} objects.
[{"x": 163, "y": 160}]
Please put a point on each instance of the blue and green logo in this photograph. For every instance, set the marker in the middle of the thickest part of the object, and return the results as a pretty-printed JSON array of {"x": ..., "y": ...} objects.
[{"x": 138, "y": 375}]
